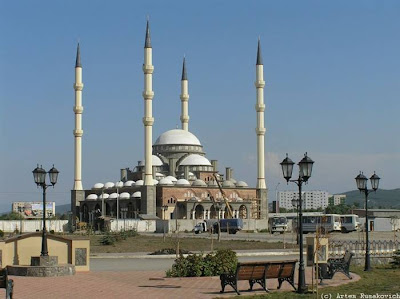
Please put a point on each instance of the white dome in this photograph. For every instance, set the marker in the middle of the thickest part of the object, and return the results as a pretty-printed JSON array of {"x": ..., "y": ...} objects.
[
  {"x": 109, "y": 185},
  {"x": 212, "y": 183},
  {"x": 173, "y": 179},
  {"x": 104, "y": 196},
  {"x": 137, "y": 194},
  {"x": 241, "y": 184},
  {"x": 195, "y": 159},
  {"x": 156, "y": 161},
  {"x": 92, "y": 197},
  {"x": 228, "y": 183},
  {"x": 113, "y": 196},
  {"x": 233, "y": 180},
  {"x": 182, "y": 182},
  {"x": 159, "y": 176},
  {"x": 199, "y": 183},
  {"x": 124, "y": 195},
  {"x": 177, "y": 136},
  {"x": 239, "y": 199},
  {"x": 165, "y": 181},
  {"x": 129, "y": 183},
  {"x": 139, "y": 183},
  {"x": 119, "y": 184},
  {"x": 155, "y": 182},
  {"x": 98, "y": 186}
]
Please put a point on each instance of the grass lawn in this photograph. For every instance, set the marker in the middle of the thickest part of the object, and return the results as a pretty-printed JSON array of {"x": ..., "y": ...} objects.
[
  {"x": 381, "y": 280},
  {"x": 151, "y": 244}
]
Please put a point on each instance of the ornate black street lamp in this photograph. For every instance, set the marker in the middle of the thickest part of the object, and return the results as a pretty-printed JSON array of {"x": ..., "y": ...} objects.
[
  {"x": 305, "y": 169},
  {"x": 39, "y": 174},
  {"x": 361, "y": 181}
]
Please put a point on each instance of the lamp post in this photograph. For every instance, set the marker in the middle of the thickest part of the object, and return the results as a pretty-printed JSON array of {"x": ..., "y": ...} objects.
[
  {"x": 305, "y": 169},
  {"x": 218, "y": 208},
  {"x": 361, "y": 181},
  {"x": 39, "y": 175},
  {"x": 164, "y": 209},
  {"x": 124, "y": 211}
]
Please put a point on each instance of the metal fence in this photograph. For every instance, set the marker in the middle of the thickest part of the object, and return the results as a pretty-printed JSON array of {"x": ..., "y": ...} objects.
[{"x": 377, "y": 248}]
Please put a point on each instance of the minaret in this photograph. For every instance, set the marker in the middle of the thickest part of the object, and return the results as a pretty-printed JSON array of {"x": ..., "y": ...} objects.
[
  {"x": 260, "y": 131},
  {"x": 78, "y": 132},
  {"x": 184, "y": 99},
  {"x": 148, "y": 119}
]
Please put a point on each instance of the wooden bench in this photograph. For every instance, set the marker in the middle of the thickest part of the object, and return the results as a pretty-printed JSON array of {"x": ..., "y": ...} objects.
[
  {"x": 335, "y": 265},
  {"x": 6, "y": 283},
  {"x": 259, "y": 272}
]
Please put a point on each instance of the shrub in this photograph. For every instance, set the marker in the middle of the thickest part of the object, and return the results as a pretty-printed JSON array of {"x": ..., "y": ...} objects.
[
  {"x": 165, "y": 251},
  {"x": 226, "y": 261},
  {"x": 212, "y": 264},
  {"x": 396, "y": 259},
  {"x": 1, "y": 234},
  {"x": 108, "y": 239},
  {"x": 52, "y": 232}
]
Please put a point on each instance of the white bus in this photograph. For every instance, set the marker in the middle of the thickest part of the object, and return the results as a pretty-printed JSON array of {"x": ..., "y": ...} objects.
[
  {"x": 326, "y": 223},
  {"x": 349, "y": 223},
  {"x": 277, "y": 224}
]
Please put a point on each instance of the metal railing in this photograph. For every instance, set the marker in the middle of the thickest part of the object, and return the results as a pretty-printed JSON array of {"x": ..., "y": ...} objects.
[{"x": 378, "y": 248}]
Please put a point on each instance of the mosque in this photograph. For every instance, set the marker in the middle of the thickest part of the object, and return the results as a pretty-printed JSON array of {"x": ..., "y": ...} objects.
[{"x": 176, "y": 180}]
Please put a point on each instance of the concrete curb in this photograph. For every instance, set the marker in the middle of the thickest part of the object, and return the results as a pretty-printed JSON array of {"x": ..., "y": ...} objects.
[{"x": 173, "y": 256}]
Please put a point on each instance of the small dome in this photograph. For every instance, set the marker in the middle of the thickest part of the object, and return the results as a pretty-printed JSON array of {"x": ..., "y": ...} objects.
[
  {"x": 192, "y": 177},
  {"x": 109, "y": 185},
  {"x": 241, "y": 184},
  {"x": 195, "y": 159},
  {"x": 173, "y": 179},
  {"x": 155, "y": 182},
  {"x": 92, "y": 197},
  {"x": 239, "y": 199},
  {"x": 199, "y": 183},
  {"x": 228, "y": 183},
  {"x": 124, "y": 195},
  {"x": 104, "y": 196},
  {"x": 137, "y": 194},
  {"x": 159, "y": 176},
  {"x": 212, "y": 183},
  {"x": 177, "y": 136},
  {"x": 129, "y": 183},
  {"x": 165, "y": 182},
  {"x": 119, "y": 184},
  {"x": 233, "y": 180},
  {"x": 98, "y": 186},
  {"x": 156, "y": 161},
  {"x": 139, "y": 183},
  {"x": 113, "y": 196},
  {"x": 182, "y": 182}
]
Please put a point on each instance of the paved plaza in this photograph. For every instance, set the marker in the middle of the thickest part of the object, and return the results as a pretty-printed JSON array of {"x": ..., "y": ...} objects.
[{"x": 140, "y": 284}]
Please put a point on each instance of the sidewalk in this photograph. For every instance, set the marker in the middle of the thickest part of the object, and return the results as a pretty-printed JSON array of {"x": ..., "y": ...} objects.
[
  {"x": 239, "y": 253},
  {"x": 140, "y": 284}
]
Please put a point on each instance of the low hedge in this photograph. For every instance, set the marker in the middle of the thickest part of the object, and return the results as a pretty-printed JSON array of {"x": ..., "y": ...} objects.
[{"x": 211, "y": 264}]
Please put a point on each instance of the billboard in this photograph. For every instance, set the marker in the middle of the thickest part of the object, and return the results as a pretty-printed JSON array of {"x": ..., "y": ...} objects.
[{"x": 33, "y": 209}]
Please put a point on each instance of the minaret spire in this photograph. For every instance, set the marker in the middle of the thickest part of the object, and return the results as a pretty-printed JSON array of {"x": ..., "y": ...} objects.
[
  {"x": 184, "y": 98},
  {"x": 148, "y": 119},
  {"x": 78, "y": 132},
  {"x": 184, "y": 74},
  {"x": 147, "y": 42},
  {"x": 260, "y": 131},
  {"x": 259, "y": 56},
  {"x": 78, "y": 57}
]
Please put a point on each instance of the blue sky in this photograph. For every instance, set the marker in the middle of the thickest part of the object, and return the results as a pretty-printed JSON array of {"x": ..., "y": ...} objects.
[{"x": 332, "y": 71}]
